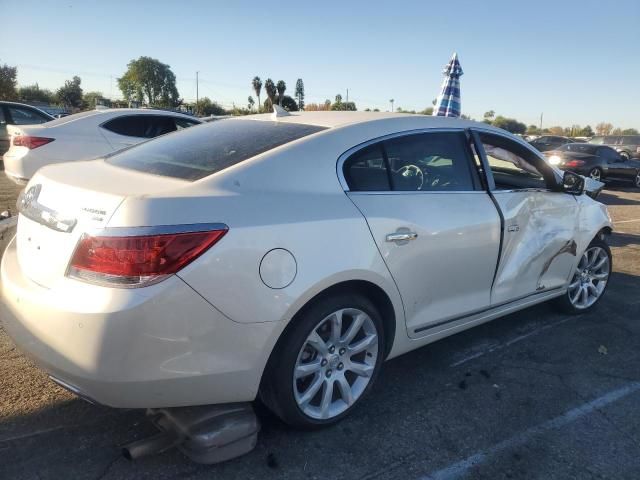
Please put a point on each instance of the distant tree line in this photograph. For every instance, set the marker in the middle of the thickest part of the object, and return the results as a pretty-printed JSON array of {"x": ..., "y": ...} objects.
[{"x": 151, "y": 82}]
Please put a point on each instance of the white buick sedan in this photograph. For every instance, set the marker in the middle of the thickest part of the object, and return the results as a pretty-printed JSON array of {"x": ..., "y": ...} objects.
[
  {"x": 287, "y": 257},
  {"x": 84, "y": 136}
]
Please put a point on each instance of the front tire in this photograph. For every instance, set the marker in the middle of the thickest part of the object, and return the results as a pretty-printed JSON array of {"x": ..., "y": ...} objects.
[
  {"x": 590, "y": 279},
  {"x": 326, "y": 363}
]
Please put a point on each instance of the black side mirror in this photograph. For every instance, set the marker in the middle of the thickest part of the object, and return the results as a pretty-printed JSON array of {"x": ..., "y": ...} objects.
[{"x": 573, "y": 183}]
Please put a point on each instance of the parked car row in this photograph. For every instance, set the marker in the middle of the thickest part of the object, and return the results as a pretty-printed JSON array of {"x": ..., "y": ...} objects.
[
  {"x": 627, "y": 145},
  {"x": 599, "y": 162}
]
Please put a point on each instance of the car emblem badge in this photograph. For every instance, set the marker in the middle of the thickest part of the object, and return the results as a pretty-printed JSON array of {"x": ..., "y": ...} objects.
[{"x": 30, "y": 196}]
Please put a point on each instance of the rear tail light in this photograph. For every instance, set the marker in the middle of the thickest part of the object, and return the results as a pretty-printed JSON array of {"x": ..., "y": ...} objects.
[
  {"x": 135, "y": 261},
  {"x": 574, "y": 163},
  {"x": 31, "y": 142}
]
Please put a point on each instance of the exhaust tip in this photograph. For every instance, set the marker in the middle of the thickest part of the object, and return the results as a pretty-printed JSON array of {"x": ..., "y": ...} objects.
[{"x": 126, "y": 454}]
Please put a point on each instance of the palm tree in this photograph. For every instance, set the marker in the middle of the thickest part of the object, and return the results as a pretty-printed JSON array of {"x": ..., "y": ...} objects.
[
  {"x": 281, "y": 87},
  {"x": 270, "y": 89},
  {"x": 257, "y": 86}
]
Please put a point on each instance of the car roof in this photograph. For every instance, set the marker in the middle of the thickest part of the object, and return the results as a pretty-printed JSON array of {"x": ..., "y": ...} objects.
[
  {"x": 340, "y": 119},
  {"x": 105, "y": 114}
]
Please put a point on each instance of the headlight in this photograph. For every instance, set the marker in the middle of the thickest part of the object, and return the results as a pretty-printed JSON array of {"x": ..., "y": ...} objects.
[{"x": 555, "y": 160}]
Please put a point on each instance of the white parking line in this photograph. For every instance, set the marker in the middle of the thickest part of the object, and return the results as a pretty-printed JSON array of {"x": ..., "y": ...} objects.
[
  {"x": 627, "y": 221},
  {"x": 500, "y": 346},
  {"x": 459, "y": 469}
]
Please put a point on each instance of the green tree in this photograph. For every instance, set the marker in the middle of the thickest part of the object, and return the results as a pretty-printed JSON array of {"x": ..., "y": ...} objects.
[
  {"x": 288, "y": 103},
  {"x": 256, "y": 83},
  {"x": 427, "y": 111},
  {"x": 344, "y": 106},
  {"x": 150, "y": 80},
  {"x": 532, "y": 130},
  {"x": 630, "y": 131},
  {"x": 8, "y": 82},
  {"x": 300, "y": 93},
  {"x": 33, "y": 93},
  {"x": 70, "y": 95},
  {"x": 281, "y": 87},
  {"x": 586, "y": 132},
  {"x": 90, "y": 100},
  {"x": 271, "y": 91},
  {"x": 206, "y": 107},
  {"x": 489, "y": 116},
  {"x": 509, "y": 124},
  {"x": 250, "y": 102}
]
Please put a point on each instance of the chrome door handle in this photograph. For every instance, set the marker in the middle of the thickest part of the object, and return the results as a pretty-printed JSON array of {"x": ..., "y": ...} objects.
[{"x": 401, "y": 236}]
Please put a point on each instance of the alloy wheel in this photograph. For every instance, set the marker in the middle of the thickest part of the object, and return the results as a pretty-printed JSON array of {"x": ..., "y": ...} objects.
[
  {"x": 637, "y": 180},
  {"x": 335, "y": 364},
  {"x": 595, "y": 174},
  {"x": 590, "y": 278}
]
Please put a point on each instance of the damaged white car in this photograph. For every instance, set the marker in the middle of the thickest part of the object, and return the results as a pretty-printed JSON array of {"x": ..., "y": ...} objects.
[{"x": 286, "y": 257}]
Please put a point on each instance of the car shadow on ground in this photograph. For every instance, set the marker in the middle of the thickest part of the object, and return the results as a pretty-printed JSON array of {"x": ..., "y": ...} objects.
[
  {"x": 618, "y": 239},
  {"x": 609, "y": 197}
]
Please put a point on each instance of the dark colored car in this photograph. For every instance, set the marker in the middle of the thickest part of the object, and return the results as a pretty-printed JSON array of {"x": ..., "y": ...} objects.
[
  {"x": 550, "y": 142},
  {"x": 627, "y": 145},
  {"x": 599, "y": 162},
  {"x": 18, "y": 114}
]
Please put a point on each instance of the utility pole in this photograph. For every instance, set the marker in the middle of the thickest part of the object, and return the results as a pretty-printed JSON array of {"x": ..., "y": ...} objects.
[
  {"x": 391, "y": 101},
  {"x": 197, "y": 99},
  {"x": 347, "y": 95},
  {"x": 541, "y": 121}
]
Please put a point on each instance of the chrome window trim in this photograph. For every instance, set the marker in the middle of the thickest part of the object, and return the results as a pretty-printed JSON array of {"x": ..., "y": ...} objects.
[
  {"x": 157, "y": 230},
  {"x": 414, "y": 192},
  {"x": 344, "y": 156}
]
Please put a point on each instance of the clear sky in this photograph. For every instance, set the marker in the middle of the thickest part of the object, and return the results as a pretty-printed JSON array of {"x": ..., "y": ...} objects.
[{"x": 576, "y": 61}]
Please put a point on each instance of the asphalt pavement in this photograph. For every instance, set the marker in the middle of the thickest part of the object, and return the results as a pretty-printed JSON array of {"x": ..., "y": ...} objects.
[{"x": 536, "y": 394}]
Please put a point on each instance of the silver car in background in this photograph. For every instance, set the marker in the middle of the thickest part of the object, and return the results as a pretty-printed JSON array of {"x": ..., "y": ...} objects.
[{"x": 287, "y": 256}]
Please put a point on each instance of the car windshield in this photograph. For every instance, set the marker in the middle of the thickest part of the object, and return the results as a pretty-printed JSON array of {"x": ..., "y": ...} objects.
[
  {"x": 195, "y": 153},
  {"x": 579, "y": 148}
]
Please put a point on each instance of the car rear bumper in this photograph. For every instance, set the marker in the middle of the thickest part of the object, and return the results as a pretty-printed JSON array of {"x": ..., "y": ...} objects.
[{"x": 159, "y": 346}]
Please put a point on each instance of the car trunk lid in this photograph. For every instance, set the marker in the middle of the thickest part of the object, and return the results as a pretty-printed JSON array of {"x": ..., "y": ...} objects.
[{"x": 64, "y": 201}]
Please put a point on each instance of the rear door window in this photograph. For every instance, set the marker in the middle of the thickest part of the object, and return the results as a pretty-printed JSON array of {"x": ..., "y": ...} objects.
[
  {"x": 199, "y": 152},
  {"x": 430, "y": 162},
  {"x": 26, "y": 116},
  {"x": 128, "y": 125}
]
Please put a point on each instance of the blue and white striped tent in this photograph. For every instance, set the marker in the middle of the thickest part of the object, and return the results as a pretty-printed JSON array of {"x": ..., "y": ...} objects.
[{"x": 448, "y": 103}]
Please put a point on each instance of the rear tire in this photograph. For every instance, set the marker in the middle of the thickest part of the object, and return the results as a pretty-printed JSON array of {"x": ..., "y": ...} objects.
[
  {"x": 636, "y": 180},
  {"x": 625, "y": 155},
  {"x": 319, "y": 371},
  {"x": 589, "y": 281}
]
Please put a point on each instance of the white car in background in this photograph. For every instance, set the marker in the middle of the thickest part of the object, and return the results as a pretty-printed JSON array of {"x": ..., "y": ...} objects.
[
  {"x": 83, "y": 136},
  {"x": 288, "y": 257}
]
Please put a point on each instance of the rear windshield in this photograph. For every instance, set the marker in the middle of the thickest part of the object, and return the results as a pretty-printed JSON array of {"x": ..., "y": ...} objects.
[
  {"x": 71, "y": 118},
  {"x": 198, "y": 152}
]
